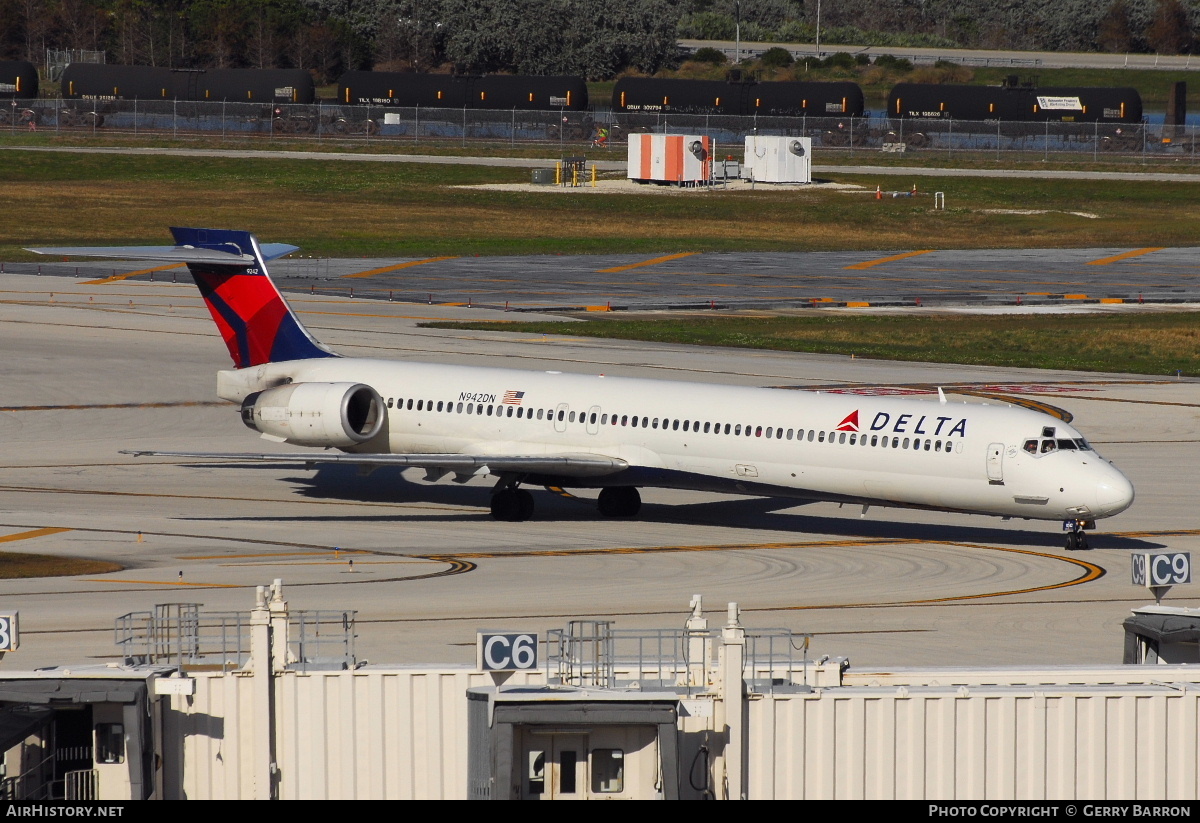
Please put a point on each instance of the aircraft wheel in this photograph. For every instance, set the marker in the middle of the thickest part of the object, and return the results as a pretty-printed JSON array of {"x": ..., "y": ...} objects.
[
  {"x": 620, "y": 501},
  {"x": 524, "y": 505},
  {"x": 506, "y": 505}
]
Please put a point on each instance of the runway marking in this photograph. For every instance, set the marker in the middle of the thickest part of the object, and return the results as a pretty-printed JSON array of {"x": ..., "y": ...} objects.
[
  {"x": 652, "y": 262},
  {"x": 117, "y": 277},
  {"x": 399, "y": 266},
  {"x": 1116, "y": 258},
  {"x": 866, "y": 264},
  {"x": 29, "y": 535}
]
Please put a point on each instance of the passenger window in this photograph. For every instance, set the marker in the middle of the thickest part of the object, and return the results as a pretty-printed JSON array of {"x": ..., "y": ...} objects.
[
  {"x": 389, "y": 402},
  {"x": 727, "y": 426},
  {"x": 685, "y": 424},
  {"x": 757, "y": 431},
  {"x": 789, "y": 434},
  {"x": 737, "y": 430},
  {"x": 926, "y": 445},
  {"x": 624, "y": 419},
  {"x": 539, "y": 415},
  {"x": 470, "y": 408},
  {"x": 509, "y": 413},
  {"x": 874, "y": 440},
  {"x": 604, "y": 420},
  {"x": 634, "y": 421},
  {"x": 645, "y": 420},
  {"x": 410, "y": 404},
  {"x": 811, "y": 434},
  {"x": 675, "y": 425},
  {"x": 562, "y": 415},
  {"x": 800, "y": 434},
  {"x": 853, "y": 438},
  {"x": 608, "y": 771},
  {"x": 937, "y": 445},
  {"x": 593, "y": 420},
  {"x": 820, "y": 437},
  {"x": 768, "y": 432},
  {"x": 706, "y": 428},
  {"x": 570, "y": 419},
  {"x": 460, "y": 408},
  {"x": 654, "y": 423},
  {"x": 895, "y": 442},
  {"x": 842, "y": 437},
  {"x": 489, "y": 411}
]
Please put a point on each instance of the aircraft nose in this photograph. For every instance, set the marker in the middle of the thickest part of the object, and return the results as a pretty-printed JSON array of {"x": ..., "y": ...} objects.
[{"x": 1114, "y": 493}]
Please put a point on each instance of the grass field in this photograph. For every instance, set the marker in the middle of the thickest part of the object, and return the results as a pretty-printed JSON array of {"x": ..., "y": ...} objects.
[
  {"x": 1156, "y": 344},
  {"x": 394, "y": 209},
  {"x": 14, "y": 565}
]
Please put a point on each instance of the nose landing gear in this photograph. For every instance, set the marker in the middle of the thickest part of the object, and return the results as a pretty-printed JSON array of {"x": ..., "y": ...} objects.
[{"x": 1076, "y": 537}]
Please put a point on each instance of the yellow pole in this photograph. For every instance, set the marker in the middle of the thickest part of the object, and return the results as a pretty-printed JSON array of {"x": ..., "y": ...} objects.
[
  {"x": 593, "y": 175},
  {"x": 558, "y": 174},
  {"x": 574, "y": 174}
]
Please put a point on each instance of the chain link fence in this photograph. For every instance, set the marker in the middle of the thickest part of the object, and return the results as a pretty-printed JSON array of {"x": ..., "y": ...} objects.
[{"x": 569, "y": 129}]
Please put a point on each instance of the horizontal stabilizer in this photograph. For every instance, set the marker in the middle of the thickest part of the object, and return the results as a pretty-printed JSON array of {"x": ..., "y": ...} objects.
[
  {"x": 571, "y": 465},
  {"x": 172, "y": 254}
]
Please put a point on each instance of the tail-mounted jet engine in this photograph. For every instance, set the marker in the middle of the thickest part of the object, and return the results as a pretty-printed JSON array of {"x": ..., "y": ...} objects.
[{"x": 316, "y": 414}]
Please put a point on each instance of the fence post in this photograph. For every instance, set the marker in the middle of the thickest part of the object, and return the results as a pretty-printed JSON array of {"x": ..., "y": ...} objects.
[
  {"x": 417, "y": 123},
  {"x": 135, "y": 116},
  {"x": 1096, "y": 141},
  {"x": 1046, "y": 144},
  {"x": 464, "y": 137},
  {"x": 174, "y": 118},
  {"x": 512, "y": 134}
]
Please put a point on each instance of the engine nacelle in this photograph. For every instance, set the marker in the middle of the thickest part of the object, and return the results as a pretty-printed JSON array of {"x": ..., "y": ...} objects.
[{"x": 316, "y": 414}]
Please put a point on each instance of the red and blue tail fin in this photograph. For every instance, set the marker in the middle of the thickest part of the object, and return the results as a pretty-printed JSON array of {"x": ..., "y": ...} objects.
[{"x": 256, "y": 322}]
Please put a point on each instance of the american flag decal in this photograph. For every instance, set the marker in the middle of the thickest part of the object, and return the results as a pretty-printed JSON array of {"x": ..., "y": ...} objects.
[{"x": 514, "y": 398}]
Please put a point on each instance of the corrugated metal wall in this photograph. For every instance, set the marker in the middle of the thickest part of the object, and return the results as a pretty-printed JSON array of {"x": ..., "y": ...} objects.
[
  {"x": 394, "y": 734},
  {"x": 981, "y": 743}
]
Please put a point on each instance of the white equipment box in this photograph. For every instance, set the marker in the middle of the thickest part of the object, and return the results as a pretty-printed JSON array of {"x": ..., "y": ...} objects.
[
  {"x": 683, "y": 159},
  {"x": 771, "y": 159}
]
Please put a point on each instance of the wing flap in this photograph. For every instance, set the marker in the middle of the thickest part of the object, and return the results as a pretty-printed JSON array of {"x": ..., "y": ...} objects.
[{"x": 569, "y": 465}]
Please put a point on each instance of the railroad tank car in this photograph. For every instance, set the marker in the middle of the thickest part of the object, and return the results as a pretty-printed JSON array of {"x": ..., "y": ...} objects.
[
  {"x": 101, "y": 81},
  {"x": 98, "y": 81},
  {"x": 18, "y": 80},
  {"x": 652, "y": 95},
  {"x": 491, "y": 91},
  {"x": 254, "y": 86},
  {"x": 1015, "y": 102}
]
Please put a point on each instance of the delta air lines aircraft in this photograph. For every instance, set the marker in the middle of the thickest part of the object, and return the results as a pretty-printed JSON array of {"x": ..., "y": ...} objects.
[{"x": 527, "y": 428}]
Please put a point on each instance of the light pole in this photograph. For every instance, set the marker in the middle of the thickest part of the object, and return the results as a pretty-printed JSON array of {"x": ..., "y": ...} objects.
[
  {"x": 737, "y": 32},
  {"x": 818, "y": 29}
]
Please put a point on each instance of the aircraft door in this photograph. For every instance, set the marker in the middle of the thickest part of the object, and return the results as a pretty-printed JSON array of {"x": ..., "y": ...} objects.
[
  {"x": 593, "y": 420},
  {"x": 560, "y": 417},
  {"x": 995, "y": 463},
  {"x": 554, "y": 766}
]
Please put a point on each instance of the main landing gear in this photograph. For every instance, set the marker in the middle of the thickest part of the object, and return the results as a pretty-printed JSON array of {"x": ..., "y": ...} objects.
[
  {"x": 619, "y": 501},
  {"x": 512, "y": 504},
  {"x": 1076, "y": 537}
]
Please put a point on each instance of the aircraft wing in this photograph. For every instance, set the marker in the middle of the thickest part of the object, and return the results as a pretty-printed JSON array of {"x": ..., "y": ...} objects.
[
  {"x": 569, "y": 465},
  {"x": 169, "y": 254}
]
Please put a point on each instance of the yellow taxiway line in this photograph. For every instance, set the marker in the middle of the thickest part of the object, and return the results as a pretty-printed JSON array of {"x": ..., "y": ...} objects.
[
  {"x": 399, "y": 266},
  {"x": 866, "y": 264},
  {"x": 117, "y": 277},
  {"x": 653, "y": 262},
  {"x": 1116, "y": 258}
]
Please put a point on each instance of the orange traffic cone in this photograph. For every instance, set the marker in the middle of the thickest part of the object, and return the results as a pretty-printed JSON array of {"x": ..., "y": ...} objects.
[{"x": 878, "y": 193}]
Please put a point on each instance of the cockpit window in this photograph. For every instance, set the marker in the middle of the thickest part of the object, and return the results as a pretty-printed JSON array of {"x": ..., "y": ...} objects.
[
  {"x": 1083, "y": 445},
  {"x": 1031, "y": 446},
  {"x": 1067, "y": 444},
  {"x": 1047, "y": 446}
]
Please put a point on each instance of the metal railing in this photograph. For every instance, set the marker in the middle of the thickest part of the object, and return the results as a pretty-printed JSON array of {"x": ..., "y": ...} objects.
[
  {"x": 592, "y": 654},
  {"x": 80, "y": 785},
  {"x": 179, "y": 634}
]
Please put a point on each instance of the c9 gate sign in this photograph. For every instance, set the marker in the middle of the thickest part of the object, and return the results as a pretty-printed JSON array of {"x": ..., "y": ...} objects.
[
  {"x": 505, "y": 652},
  {"x": 1166, "y": 569}
]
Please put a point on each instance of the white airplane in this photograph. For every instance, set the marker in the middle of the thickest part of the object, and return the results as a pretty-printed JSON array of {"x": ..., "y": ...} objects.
[{"x": 527, "y": 428}]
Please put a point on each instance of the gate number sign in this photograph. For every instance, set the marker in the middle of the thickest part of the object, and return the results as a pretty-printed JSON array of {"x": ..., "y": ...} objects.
[
  {"x": 9, "y": 635},
  {"x": 1168, "y": 569},
  {"x": 507, "y": 652}
]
